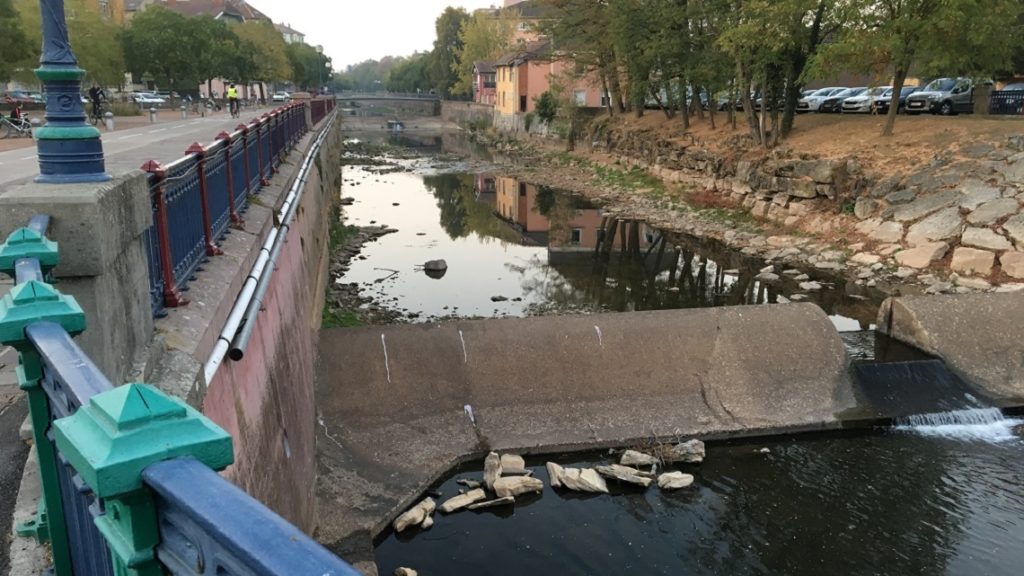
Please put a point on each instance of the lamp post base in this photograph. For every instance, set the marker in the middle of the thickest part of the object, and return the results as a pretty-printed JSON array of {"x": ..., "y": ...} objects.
[{"x": 71, "y": 161}]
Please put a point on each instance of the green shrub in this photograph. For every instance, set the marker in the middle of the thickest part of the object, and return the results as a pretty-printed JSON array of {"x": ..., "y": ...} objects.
[{"x": 125, "y": 109}]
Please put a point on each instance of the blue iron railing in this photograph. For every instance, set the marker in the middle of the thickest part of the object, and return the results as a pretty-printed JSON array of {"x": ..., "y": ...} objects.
[
  {"x": 197, "y": 197},
  {"x": 128, "y": 473}
]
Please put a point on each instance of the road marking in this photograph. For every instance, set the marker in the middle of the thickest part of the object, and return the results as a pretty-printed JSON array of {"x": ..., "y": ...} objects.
[
  {"x": 28, "y": 157},
  {"x": 129, "y": 136},
  {"x": 157, "y": 130}
]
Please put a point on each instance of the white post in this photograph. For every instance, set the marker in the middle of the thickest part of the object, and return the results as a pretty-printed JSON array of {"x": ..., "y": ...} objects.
[
  {"x": 152, "y": 115},
  {"x": 108, "y": 120}
]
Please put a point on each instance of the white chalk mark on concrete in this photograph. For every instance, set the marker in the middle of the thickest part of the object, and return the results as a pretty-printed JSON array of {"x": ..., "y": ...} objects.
[
  {"x": 465, "y": 355},
  {"x": 387, "y": 367},
  {"x": 469, "y": 412},
  {"x": 27, "y": 157},
  {"x": 600, "y": 338}
]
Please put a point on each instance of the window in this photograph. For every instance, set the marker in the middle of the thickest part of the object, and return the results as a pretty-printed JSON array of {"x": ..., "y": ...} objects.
[
  {"x": 523, "y": 26},
  {"x": 576, "y": 236},
  {"x": 580, "y": 96},
  {"x": 606, "y": 100},
  {"x": 522, "y": 189},
  {"x": 522, "y": 103}
]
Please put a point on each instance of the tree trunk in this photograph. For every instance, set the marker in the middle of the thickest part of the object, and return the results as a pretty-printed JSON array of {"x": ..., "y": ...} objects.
[
  {"x": 263, "y": 95},
  {"x": 607, "y": 95},
  {"x": 894, "y": 105}
]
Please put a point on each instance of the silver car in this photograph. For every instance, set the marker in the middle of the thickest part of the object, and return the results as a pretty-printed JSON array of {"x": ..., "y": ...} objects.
[
  {"x": 867, "y": 102},
  {"x": 812, "y": 102},
  {"x": 946, "y": 96}
]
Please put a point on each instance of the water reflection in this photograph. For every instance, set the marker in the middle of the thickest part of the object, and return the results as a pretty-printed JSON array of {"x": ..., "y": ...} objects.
[{"x": 525, "y": 249}]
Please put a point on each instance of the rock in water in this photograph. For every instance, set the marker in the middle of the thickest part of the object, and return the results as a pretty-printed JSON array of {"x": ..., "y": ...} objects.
[
  {"x": 690, "y": 452},
  {"x": 471, "y": 484},
  {"x": 406, "y": 572},
  {"x": 427, "y": 523},
  {"x": 624, "y": 474},
  {"x": 516, "y": 485},
  {"x": 493, "y": 503},
  {"x": 555, "y": 474},
  {"x": 435, "y": 266},
  {"x": 416, "y": 515},
  {"x": 511, "y": 463},
  {"x": 587, "y": 480},
  {"x": 492, "y": 469},
  {"x": 674, "y": 480},
  {"x": 634, "y": 458},
  {"x": 462, "y": 500}
]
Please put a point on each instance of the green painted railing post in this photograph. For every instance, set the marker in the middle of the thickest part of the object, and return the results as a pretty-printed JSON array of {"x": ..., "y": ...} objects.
[
  {"x": 113, "y": 439},
  {"x": 27, "y": 304}
]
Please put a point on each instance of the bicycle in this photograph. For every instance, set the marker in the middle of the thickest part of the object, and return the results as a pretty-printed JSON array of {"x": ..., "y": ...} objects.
[
  {"x": 98, "y": 114},
  {"x": 236, "y": 110},
  {"x": 16, "y": 128}
]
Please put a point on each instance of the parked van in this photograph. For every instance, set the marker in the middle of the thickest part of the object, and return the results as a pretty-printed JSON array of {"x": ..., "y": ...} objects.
[{"x": 946, "y": 96}]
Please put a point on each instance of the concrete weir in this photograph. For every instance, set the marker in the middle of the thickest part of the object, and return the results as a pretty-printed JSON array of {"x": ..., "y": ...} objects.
[
  {"x": 401, "y": 405},
  {"x": 979, "y": 336}
]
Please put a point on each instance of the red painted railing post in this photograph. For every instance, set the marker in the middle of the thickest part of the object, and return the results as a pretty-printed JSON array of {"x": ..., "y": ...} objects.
[
  {"x": 172, "y": 296},
  {"x": 235, "y": 218},
  {"x": 245, "y": 152},
  {"x": 204, "y": 197}
]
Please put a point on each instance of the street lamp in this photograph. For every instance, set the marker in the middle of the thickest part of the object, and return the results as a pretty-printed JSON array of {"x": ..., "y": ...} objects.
[
  {"x": 319, "y": 68},
  {"x": 70, "y": 150}
]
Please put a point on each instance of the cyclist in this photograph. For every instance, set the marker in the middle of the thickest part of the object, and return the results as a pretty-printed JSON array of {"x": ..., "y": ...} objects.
[
  {"x": 16, "y": 113},
  {"x": 233, "y": 100},
  {"x": 96, "y": 96}
]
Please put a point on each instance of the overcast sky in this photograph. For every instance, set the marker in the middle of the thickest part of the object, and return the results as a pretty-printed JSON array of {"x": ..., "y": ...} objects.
[{"x": 355, "y": 30}]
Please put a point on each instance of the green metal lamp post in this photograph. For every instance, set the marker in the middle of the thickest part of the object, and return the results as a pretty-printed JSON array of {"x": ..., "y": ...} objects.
[{"x": 70, "y": 150}]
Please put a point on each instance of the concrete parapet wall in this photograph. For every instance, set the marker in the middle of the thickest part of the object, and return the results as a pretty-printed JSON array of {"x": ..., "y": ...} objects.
[
  {"x": 980, "y": 336},
  {"x": 394, "y": 400},
  {"x": 467, "y": 113}
]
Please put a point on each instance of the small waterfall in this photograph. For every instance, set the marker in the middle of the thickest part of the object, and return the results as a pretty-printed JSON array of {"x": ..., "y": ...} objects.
[{"x": 985, "y": 424}]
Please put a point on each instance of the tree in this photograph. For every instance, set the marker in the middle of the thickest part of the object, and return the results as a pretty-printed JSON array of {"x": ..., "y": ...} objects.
[
  {"x": 309, "y": 67},
  {"x": 152, "y": 46},
  {"x": 930, "y": 37},
  {"x": 410, "y": 75},
  {"x": 94, "y": 39},
  {"x": 444, "y": 57},
  {"x": 484, "y": 37},
  {"x": 216, "y": 50},
  {"x": 13, "y": 42},
  {"x": 263, "y": 52}
]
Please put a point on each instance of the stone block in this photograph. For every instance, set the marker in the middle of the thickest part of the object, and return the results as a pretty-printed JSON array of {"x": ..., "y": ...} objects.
[
  {"x": 972, "y": 261},
  {"x": 887, "y": 232},
  {"x": 985, "y": 238},
  {"x": 927, "y": 205},
  {"x": 942, "y": 225},
  {"x": 992, "y": 211},
  {"x": 1015, "y": 228},
  {"x": 922, "y": 256},
  {"x": 1013, "y": 264},
  {"x": 865, "y": 208}
]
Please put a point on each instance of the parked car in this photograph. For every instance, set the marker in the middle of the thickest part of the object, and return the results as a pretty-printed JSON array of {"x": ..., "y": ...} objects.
[
  {"x": 18, "y": 96},
  {"x": 148, "y": 99},
  {"x": 812, "y": 102},
  {"x": 946, "y": 96},
  {"x": 866, "y": 102},
  {"x": 883, "y": 103},
  {"x": 280, "y": 97},
  {"x": 834, "y": 103}
]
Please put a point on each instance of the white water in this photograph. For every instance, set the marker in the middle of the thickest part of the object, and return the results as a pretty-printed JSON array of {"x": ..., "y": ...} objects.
[{"x": 981, "y": 424}]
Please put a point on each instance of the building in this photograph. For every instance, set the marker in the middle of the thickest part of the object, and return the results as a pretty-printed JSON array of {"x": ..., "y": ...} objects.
[
  {"x": 231, "y": 10},
  {"x": 110, "y": 9},
  {"x": 291, "y": 35},
  {"x": 484, "y": 83},
  {"x": 521, "y": 76}
]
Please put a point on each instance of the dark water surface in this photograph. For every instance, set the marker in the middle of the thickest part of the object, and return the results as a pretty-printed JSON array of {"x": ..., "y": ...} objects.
[{"x": 895, "y": 502}]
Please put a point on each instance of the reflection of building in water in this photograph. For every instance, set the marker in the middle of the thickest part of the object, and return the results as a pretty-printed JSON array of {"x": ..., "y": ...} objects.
[
  {"x": 565, "y": 222},
  {"x": 486, "y": 190}
]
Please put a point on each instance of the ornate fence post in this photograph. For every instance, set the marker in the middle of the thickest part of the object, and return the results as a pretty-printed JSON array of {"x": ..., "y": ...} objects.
[
  {"x": 259, "y": 151},
  {"x": 245, "y": 153},
  {"x": 113, "y": 439},
  {"x": 172, "y": 296},
  {"x": 204, "y": 195},
  {"x": 235, "y": 218},
  {"x": 27, "y": 303}
]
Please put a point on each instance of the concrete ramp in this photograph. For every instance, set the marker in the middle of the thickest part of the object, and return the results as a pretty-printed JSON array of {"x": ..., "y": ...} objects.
[
  {"x": 394, "y": 399},
  {"x": 980, "y": 336}
]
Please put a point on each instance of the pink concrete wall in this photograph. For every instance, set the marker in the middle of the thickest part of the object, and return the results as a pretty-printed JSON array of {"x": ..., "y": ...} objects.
[{"x": 266, "y": 400}]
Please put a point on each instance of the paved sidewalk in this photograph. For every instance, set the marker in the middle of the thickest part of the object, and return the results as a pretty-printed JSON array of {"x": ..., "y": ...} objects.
[{"x": 126, "y": 150}]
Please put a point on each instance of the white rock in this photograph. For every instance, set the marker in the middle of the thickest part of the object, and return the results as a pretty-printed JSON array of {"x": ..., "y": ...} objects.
[
  {"x": 1013, "y": 264},
  {"x": 810, "y": 286},
  {"x": 427, "y": 523},
  {"x": 865, "y": 258},
  {"x": 492, "y": 469},
  {"x": 586, "y": 480},
  {"x": 512, "y": 462},
  {"x": 674, "y": 480},
  {"x": 691, "y": 452},
  {"x": 406, "y": 572},
  {"x": 922, "y": 256},
  {"x": 634, "y": 458},
  {"x": 942, "y": 225},
  {"x": 972, "y": 261},
  {"x": 624, "y": 474},
  {"x": 985, "y": 238},
  {"x": 415, "y": 515},
  {"x": 555, "y": 474},
  {"x": 492, "y": 503},
  {"x": 462, "y": 500},
  {"x": 516, "y": 485}
]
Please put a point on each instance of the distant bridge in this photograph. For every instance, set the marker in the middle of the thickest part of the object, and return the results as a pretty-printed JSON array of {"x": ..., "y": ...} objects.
[{"x": 389, "y": 96}]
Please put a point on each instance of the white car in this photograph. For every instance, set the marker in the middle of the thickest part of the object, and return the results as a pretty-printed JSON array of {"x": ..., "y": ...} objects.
[
  {"x": 281, "y": 97},
  {"x": 868, "y": 101},
  {"x": 148, "y": 99},
  {"x": 813, "y": 102}
]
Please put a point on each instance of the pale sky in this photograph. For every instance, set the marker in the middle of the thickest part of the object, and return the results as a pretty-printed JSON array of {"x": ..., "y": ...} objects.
[{"x": 355, "y": 30}]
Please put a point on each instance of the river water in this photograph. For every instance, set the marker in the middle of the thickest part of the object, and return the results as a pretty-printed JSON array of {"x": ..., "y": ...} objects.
[{"x": 930, "y": 497}]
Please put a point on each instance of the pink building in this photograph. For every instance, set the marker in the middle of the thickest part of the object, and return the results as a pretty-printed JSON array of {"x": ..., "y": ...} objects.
[{"x": 484, "y": 83}]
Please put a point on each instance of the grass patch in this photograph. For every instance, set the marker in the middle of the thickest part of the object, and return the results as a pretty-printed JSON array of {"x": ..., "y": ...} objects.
[{"x": 340, "y": 319}]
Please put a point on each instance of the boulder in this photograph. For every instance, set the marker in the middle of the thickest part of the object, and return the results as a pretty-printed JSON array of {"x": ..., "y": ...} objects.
[
  {"x": 767, "y": 277},
  {"x": 865, "y": 258},
  {"x": 977, "y": 193},
  {"x": 492, "y": 503},
  {"x": 555, "y": 473},
  {"x": 926, "y": 205},
  {"x": 512, "y": 462},
  {"x": 942, "y": 225},
  {"x": 690, "y": 452},
  {"x": 810, "y": 286},
  {"x": 427, "y": 523},
  {"x": 1015, "y": 228},
  {"x": 985, "y": 238},
  {"x": 462, "y": 500},
  {"x": 973, "y": 261},
  {"x": 492, "y": 469},
  {"x": 586, "y": 480},
  {"x": 865, "y": 208},
  {"x": 435, "y": 265},
  {"x": 405, "y": 572},
  {"x": 887, "y": 232},
  {"x": 922, "y": 256},
  {"x": 674, "y": 480},
  {"x": 516, "y": 485},
  {"x": 1013, "y": 264},
  {"x": 901, "y": 196},
  {"x": 992, "y": 211},
  {"x": 634, "y": 458},
  {"x": 624, "y": 474},
  {"x": 415, "y": 515}
]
